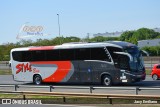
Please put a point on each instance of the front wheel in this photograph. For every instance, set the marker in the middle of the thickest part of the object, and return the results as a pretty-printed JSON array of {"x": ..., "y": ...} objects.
[
  {"x": 155, "y": 77},
  {"x": 107, "y": 81},
  {"x": 37, "y": 79}
]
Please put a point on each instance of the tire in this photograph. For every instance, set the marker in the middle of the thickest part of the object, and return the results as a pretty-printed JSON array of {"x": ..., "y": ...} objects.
[
  {"x": 37, "y": 79},
  {"x": 155, "y": 77},
  {"x": 107, "y": 81}
]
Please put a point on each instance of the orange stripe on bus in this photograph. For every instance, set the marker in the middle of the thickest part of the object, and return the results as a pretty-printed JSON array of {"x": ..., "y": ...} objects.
[{"x": 63, "y": 69}]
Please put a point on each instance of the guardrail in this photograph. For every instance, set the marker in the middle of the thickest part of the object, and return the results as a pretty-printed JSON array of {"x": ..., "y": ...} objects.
[
  {"x": 83, "y": 95},
  {"x": 90, "y": 88}
]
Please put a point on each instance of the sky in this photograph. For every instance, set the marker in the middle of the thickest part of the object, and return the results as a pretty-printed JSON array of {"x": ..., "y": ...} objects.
[{"x": 76, "y": 17}]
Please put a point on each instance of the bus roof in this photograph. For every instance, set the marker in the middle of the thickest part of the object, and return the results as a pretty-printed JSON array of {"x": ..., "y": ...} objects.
[
  {"x": 119, "y": 44},
  {"x": 122, "y": 43}
]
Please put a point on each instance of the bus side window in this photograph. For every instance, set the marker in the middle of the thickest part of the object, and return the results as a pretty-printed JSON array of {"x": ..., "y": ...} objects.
[
  {"x": 67, "y": 54},
  {"x": 26, "y": 56},
  {"x": 99, "y": 54},
  {"x": 114, "y": 55},
  {"x": 17, "y": 55},
  {"x": 38, "y": 55},
  {"x": 82, "y": 54},
  {"x": 52, "y": 55}
]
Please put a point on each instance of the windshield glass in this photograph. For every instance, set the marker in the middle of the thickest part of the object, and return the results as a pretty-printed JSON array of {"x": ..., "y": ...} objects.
[{"x": 137, "y": 64}]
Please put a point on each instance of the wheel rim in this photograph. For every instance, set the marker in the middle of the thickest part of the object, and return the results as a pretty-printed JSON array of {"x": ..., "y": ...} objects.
[
  {"x": 107, "y": 81},
  {"x": 37, "y": 80},
  {"x": 155, "y": 77}
]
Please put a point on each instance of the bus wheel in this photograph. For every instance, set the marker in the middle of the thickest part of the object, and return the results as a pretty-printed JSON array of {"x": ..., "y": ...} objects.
[
  {"x": 107, "y": 81},
  {"x": 37, "y": 79},
  {"x": 155, "y": 77}
]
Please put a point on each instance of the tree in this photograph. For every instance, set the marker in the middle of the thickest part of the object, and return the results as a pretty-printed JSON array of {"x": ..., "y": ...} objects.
[
  {"x": 126, "y": 36},
  {"x": 140, "y": 34},
  {"x": 145, "y": 33}
]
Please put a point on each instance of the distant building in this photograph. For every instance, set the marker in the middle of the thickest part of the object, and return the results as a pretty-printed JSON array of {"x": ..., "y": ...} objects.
[
  {"x": 107, "y": 34},
  {"x": 156, "y": 29},
  {"x": 117, "y": 33},
  {"x": 153, "y": 42}
]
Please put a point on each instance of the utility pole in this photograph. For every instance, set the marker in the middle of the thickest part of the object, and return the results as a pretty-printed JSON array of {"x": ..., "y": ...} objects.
[{"x": 59, "y": 28}]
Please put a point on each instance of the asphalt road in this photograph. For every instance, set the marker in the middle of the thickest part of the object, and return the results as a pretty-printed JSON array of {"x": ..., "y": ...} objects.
[
  {"x": 7, "y": 79},
  {"x": 4, "y": 66}
]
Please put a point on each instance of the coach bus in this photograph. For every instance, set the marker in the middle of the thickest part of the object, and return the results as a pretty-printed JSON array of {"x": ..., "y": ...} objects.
[{"x": 105, "y": 62}]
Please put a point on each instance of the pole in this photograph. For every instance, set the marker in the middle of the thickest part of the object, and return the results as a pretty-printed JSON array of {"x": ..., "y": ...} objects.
[{"x": 59, "y": 28}]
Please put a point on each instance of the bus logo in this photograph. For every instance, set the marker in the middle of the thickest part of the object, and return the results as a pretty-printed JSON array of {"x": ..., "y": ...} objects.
[{"x": 23, "y": 68}]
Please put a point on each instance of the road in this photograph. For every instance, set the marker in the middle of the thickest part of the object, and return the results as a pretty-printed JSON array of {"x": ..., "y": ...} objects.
[
  {"x": 4, "y": 66},
  {"x": 7, "y": 79}
]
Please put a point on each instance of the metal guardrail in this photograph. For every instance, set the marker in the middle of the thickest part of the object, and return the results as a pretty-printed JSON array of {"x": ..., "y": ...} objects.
[
  {"x": 84, "y": 95},
  {"x": 90, "y": 88}
]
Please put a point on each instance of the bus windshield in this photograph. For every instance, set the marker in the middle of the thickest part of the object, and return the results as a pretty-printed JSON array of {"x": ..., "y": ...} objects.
[{"x": 137, "y": 64}]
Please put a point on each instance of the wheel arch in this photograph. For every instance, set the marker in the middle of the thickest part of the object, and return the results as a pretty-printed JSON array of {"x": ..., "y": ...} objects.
[
  {"x": 104, "y": 74},
  {"x": 35, "y": 75}
]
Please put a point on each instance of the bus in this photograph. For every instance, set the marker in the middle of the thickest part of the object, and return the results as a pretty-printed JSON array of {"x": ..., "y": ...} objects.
[{"x": 107, "y": 63}]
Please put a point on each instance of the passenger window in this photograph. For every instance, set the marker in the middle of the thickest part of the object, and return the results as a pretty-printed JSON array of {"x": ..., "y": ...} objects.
[
  {"x": 52, "y": 55},
  {"x": 99, "y": 54},
  {"x": 67, "y": 54},
  {"x": 26, "y": 56},
  {"x": 17, "y": 55},
  {"x": 114, "y": 55},
  {"x": 82, "y": 54},
  {"x": 38, "y": 55}
]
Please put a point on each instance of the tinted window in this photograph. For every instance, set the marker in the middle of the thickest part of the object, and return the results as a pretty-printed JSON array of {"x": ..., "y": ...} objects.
[
  {"x": 52, "y": 55},
  {"x": 26, "y": 56},
  {"x": 67, "y": 54},
  {"x": 22, "y": 56},
  {"x": 38, "y": 55},
  {"x": 17, "y": 55},
  {"x": 82, "y": 54},
  {"x": 158, "y": 66},
  {"x": 114, "y": 55},
  {"x": 123, "y": 62},
  {"x": 99, "y": 54}
]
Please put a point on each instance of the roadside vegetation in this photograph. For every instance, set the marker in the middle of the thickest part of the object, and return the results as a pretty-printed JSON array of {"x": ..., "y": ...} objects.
[
  {"x": 129, "y": 36},
  {"x": 78, "y": 100},
  {"x": 5, "y": 72}
]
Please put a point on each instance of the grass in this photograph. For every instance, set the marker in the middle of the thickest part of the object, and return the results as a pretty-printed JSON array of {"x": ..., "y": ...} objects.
[
  {"x": 148, "y": 71},
  {"x": 5, "y": 72},
  {"x": 72, "y": 100}
]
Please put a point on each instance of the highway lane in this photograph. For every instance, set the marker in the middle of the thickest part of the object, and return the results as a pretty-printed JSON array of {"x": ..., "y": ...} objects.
[
  {"x": 7, "y": 79},
  {"x": 4, "y": 66}
]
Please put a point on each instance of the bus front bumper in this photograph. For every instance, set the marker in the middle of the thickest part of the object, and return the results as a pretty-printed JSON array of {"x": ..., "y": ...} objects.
[{"x": 139, "y": 77}]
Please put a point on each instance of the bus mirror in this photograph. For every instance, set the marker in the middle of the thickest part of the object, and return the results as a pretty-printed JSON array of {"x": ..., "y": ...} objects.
[{"x": 144, "y": 53}]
